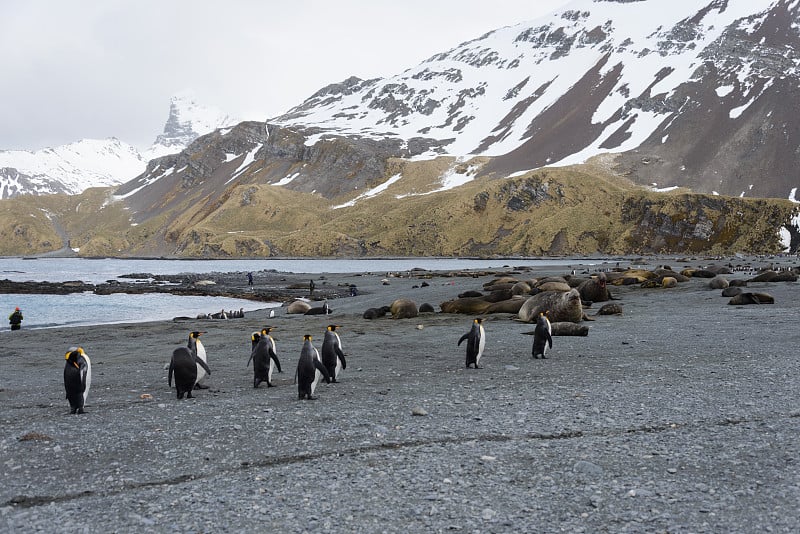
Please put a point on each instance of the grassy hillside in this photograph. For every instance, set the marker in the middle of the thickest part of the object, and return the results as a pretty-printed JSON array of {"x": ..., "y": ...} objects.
[{"x": 565, "y": 211}]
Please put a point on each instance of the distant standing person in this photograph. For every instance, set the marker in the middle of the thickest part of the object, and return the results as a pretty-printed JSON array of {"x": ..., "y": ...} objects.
[
  {"x": 249, "y": 279},
  {"x": 15, "y": 319},
  {"x": 311, "y": 287}
]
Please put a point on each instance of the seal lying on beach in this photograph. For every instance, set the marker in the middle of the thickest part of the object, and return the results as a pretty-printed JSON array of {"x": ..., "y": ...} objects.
[
  {"x": 403, "y": 309},
  {"x": 562, "y": 306},
  {"x": 752, "y": 298},
  {"x": 298, "y": 306},
  {"x": 376, "y": 313}
]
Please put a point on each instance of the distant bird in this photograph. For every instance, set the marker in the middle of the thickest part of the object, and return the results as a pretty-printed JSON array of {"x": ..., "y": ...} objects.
[
  {"x": 77, "y": 378},
  {"x": 197, "y": 347},
  {"x": 309, "y": 370},
  {"x": 332, "y": 355},
  {"x": 264, "y": 356},
  {"x": 542, "y": 336},
  {"x": 476, "y": 341}
]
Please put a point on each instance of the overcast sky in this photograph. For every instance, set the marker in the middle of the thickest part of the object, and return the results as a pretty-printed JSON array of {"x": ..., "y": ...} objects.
[{"x": 107, "y": 68}]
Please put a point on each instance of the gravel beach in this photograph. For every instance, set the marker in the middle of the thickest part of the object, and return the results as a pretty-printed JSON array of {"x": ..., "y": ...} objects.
[{"x": 680, "y": 415}]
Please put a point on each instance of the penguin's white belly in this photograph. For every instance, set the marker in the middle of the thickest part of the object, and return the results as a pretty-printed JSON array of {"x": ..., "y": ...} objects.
[
  {"x": 88, "y": 377},
  {"x": 271, "y": 361},
  {"x": 201, "y": 353},
  {"x": 338, "y": 360},
  {"x": 481, "y": 345},
  {"x": 317, "y": 373}
]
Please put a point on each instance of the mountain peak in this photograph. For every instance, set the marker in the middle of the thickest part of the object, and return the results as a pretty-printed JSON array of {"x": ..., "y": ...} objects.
[
  {"x": 187, "y": 121},
  {"x": 75, "y": 167}
]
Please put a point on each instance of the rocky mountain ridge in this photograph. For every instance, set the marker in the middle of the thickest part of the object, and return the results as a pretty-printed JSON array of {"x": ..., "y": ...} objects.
[
  {"x": 72, "y": 168},
  {"x": 449, "y": 158}
]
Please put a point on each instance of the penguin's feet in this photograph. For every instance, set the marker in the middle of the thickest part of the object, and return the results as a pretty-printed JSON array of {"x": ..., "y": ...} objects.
[
  {"x": 270, "y": 385},
  {"x": 312, "y": 397},
  {"x": 73, "y": 411},
  {"x": 200, "y": 386},
  {"x": 189, "y": 395},
  {"x": 80, "y": 411}
]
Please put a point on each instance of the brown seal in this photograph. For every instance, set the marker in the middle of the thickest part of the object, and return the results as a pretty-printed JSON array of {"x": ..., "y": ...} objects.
[
  {"x": 718, "y": 282},
  {"x": 772, "y": 276},
  {"x": 610, "y": 309},
  {"x": 376, "y": 313},
  {"x": 731, "y": 291},
  {"x": 569, "y": 329},
  {"x": 752, "y": 298},
  {"x": 298, "y": 306},
  {"x": 471, "y": 305},
  {"x": 511, "y": 305},
  {"x": 560, "y": 305},
  {"x": 403, "y": 309},
  {"x": 595, "y": 289}
]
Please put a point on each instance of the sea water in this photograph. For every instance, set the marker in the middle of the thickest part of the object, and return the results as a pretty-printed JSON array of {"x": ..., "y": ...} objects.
[{"x": 80, "y": 309}]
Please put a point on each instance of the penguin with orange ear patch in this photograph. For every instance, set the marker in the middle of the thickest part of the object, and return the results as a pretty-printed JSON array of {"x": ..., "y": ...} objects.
[
  {"x": 476, "y": 342},
  {"x": 77, "y": 378},
  {"x": 542, "y": 336}
]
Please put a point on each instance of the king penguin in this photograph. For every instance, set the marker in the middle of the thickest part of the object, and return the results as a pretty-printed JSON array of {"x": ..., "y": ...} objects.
[
  {"x": 332, "y": 354},
  {"x": 196, "y": 346},
  {"x": 77, "y": 378},
  {"x": 184, "y": 365},
  {"x": 264, "y": 356},
  {"x": 542, "y": 336},
  {"x": 309, "y": 370},
  {"x": 476, "y": 341}
]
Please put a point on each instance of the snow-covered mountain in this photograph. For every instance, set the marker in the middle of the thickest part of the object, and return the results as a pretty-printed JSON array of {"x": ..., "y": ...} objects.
[
  {"x": 187, "y": 121},
  {"x": 77, "y": 166},
  {"x": 697, "y": 93}
]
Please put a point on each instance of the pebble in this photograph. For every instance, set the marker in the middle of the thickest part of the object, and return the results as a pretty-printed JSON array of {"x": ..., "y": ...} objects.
[{"x": 416, "y": 410}]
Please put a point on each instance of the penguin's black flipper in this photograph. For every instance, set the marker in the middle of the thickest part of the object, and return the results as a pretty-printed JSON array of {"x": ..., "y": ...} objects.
[
  {"x": 250, "y": 358},
  {"x": 202, "y": 364},
  {"x": 340, "y": 354},
  {"x": 465, "y": 336},
  {"x": 321, "y": 368},
  {"x": 275, "y": 359},
  {"x": 549, "y": 339},
  {"x": 171, "y": 370}
]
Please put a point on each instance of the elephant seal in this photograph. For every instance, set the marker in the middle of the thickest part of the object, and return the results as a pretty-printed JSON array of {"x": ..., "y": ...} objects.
[
  {"x": 554, "y": 286},
  {"x": 562, "y": 306},
  {"x": 569, "y": 329},
  {"x": 718, "y": 282},
  {"x": 631, "y": 276},
  {"x": 376, "y": 313},
  {"x": 669, "y": 282},
  {"x": 731, "y": 291},
  {"x": 662, "y": 272},
  {"x": 772, "y": 276},
  {"x": 298, "y": 306},
  {"x": 595, "y": 289},
  {"x": 426, "y": 308},
  {"x": 752, "y": 298},
  {"x": 470, "y": 293},
  {"x": 471, "y": 305},
  {"x": 403, "y": 309},
  {"x": 610, "y": 309},
  {"x": 511, "y": 305},
  {"x": 521, "y": 288}
]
